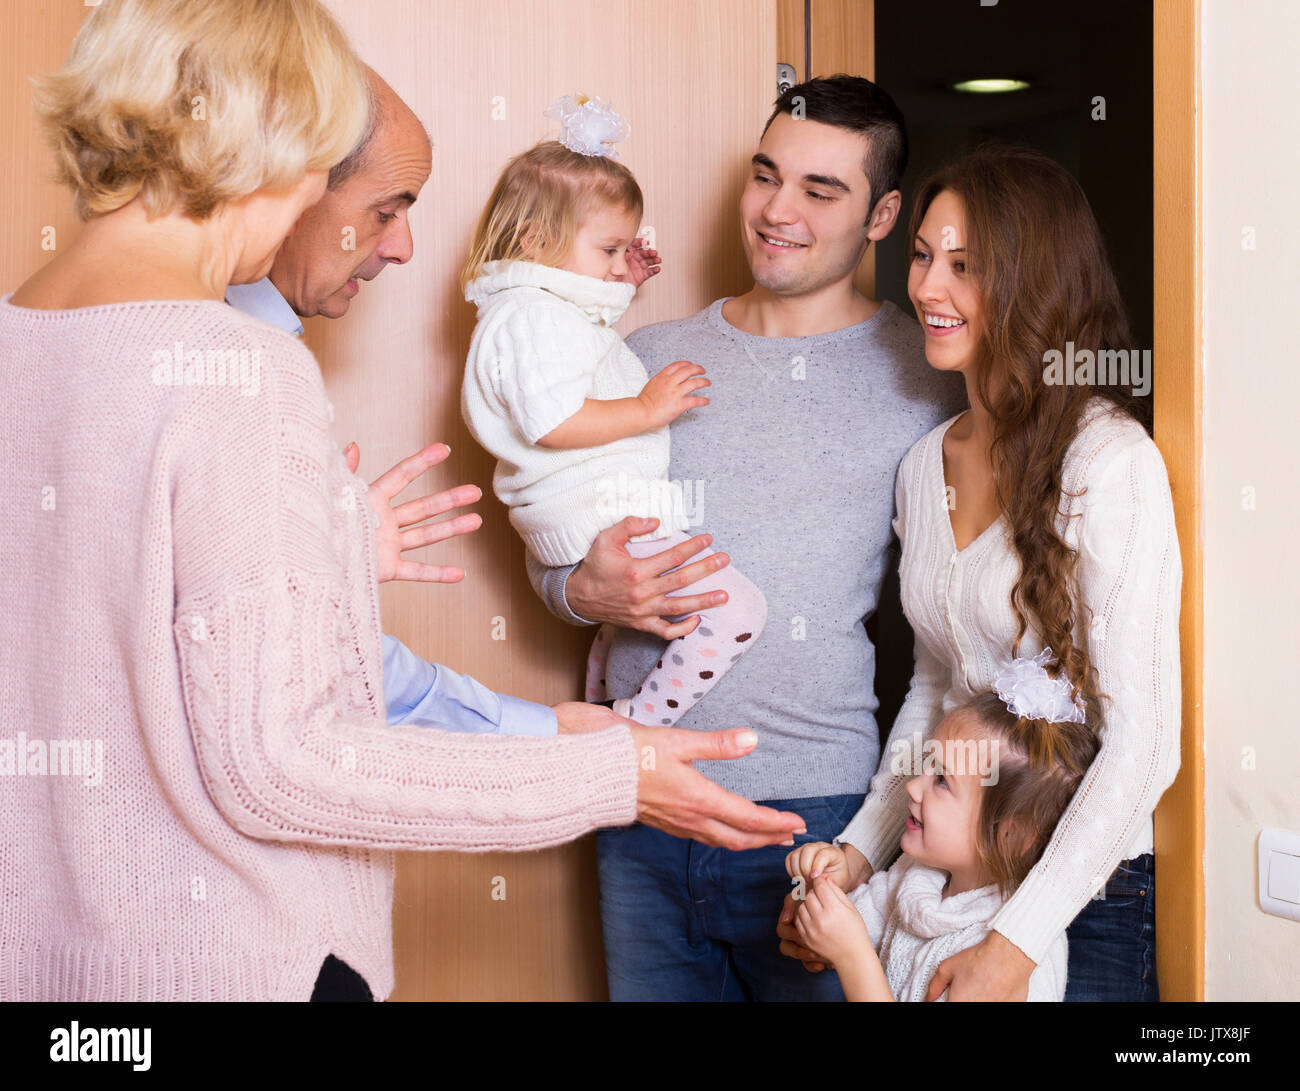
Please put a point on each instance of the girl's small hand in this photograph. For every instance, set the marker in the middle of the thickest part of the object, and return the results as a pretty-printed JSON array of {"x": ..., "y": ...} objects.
[
  {"x": 830, "y": 924},
  {"x": 642, "y": 262},
  {"x": 818, "y": 858},
  {"x": 668, "y": 395}
]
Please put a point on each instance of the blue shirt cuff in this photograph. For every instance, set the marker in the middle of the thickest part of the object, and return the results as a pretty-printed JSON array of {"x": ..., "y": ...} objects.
[
  {"x": 431, "y": 695},
  {"x": 520, "y": 717}
]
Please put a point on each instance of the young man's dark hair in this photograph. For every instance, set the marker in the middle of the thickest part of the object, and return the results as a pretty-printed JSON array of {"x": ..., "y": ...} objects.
[{"x": 856, "y": 104}]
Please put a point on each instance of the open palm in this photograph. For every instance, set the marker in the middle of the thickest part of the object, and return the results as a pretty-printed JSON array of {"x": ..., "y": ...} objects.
[{"x": 398, "y": 532}]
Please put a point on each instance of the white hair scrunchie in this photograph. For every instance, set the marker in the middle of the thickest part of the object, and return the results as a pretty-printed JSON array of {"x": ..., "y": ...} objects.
[
  {"x": 1031, "y": 692},
  {"x": 588, "y": 126}
]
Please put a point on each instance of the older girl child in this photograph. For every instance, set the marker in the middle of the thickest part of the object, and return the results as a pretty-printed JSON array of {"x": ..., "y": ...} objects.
[{"x": 998, "y": 773}]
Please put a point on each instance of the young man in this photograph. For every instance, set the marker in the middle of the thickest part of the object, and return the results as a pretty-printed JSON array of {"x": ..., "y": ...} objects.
[{"x": 817, "y": 393}]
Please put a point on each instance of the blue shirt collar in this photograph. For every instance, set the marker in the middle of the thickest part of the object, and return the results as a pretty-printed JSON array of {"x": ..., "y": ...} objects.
[{"x": 263, "y": 300}]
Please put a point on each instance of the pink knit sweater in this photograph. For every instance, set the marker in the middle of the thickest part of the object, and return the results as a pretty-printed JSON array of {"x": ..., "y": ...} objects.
[{"x": 187, "y": 582}]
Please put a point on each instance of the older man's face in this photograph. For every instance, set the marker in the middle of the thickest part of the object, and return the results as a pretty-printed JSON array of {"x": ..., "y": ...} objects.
[{"x": 357, "y": 229}]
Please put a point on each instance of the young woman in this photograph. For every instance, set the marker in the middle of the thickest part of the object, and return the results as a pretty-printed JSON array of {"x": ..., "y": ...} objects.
[{"x": 1040, "y": 517}]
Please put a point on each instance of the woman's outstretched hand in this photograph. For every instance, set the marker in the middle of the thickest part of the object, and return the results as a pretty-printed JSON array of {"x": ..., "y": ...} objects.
[
  {"x": 391, "y": 540},
  {"x": 673, "y": 796},
  {"x": 994, "y": 969}
]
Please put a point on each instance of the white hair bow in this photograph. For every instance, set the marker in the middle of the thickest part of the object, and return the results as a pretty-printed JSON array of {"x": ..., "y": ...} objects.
[
  {"x": 588, "y": 126},
  {"x": 1030, "y": 691}
]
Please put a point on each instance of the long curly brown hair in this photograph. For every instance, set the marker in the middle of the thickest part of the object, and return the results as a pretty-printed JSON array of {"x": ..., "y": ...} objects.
[{"x": 1038, "y": 258}]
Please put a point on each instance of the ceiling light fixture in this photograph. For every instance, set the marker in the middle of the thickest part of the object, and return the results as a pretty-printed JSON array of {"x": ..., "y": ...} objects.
[{"x": 989, "y": 86}]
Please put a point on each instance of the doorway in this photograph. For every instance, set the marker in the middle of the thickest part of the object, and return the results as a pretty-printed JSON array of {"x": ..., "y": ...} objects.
[{"x": 1113, "y": 95}]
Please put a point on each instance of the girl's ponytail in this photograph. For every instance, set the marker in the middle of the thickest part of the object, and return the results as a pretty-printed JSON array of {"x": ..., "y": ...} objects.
[{"x": 1040, "y": 763}]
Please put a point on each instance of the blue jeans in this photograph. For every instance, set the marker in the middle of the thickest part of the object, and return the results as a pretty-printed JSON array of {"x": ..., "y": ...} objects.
[
  {"x": 1113, "y": 939},
  {"x": 683, "y": 921}
]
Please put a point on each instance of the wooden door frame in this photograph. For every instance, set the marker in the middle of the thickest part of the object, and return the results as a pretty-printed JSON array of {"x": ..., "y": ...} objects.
[
  {"x": 1176, "y": 137},
  {"x": 822, "y": 37}
]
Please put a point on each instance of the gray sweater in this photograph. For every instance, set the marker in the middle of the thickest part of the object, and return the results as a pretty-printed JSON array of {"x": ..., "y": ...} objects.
[{"x": 791, "y": 468}]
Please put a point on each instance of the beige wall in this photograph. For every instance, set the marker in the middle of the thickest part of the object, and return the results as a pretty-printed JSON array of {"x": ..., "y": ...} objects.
[
  {"x": 696, "y": 81},
  {"x": 1252, "y": 399}
]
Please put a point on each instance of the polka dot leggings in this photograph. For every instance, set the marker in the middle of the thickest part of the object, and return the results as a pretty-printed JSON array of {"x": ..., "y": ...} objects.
[{"x": 692, "y": 664}]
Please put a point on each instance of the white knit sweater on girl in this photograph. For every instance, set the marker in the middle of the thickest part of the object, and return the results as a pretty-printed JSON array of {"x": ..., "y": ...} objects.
[
  {"x": 913, "y": 928},
  {"x": 543, "y": 345}
]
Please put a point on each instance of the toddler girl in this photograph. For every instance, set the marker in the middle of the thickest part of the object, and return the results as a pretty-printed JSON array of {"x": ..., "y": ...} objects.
[
  {"x": 580, "y": 435},
  {"x": 998, "y": 773}
]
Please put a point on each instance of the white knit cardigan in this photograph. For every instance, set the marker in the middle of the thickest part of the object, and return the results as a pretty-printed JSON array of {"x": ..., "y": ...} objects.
[
  {"x": 542, "y": 346},
  {"x": 959, "y": 606}
]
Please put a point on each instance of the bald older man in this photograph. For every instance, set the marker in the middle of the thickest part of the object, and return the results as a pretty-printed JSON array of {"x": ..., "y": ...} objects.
[{"x": 359, "y": 227}]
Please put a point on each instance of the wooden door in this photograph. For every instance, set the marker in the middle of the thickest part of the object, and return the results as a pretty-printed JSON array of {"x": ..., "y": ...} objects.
[{"x": 696, "y": 82}]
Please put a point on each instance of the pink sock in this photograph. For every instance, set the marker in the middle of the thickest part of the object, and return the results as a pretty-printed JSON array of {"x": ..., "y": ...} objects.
[{"x": 693, "y": 664}]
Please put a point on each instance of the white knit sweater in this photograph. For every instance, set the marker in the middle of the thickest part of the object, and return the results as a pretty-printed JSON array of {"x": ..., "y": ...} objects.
[
  {"x": 913, "y": 928},
  {"x": 542, "y": 346},
  {"x": 958, "y": 603}
]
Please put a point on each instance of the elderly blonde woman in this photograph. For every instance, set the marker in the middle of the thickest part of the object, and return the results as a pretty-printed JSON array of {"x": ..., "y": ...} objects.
[{"x": 189, "y": 595}]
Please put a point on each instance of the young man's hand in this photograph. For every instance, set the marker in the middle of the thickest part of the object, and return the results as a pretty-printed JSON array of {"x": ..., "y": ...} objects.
[{"x": 611, "y": 585}]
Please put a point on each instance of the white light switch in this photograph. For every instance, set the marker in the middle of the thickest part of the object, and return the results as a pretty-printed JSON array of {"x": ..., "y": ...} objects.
[
  {"x": 1279, "y": 873},
  {"x": 1284, "y": 876}
]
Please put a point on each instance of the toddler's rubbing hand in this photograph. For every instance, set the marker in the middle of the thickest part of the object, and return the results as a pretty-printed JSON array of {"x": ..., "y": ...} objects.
[
  {"x": 642, "y": 262},
  {"x": 670, "y": 393}
]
